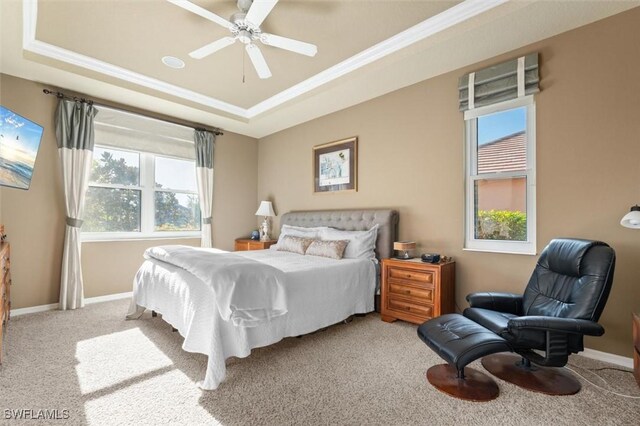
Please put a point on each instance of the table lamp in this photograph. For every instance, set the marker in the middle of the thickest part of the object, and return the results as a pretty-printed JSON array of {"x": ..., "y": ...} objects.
[
  {"x": 403, "y": 248},
  {"x": 266, "y": 210}
]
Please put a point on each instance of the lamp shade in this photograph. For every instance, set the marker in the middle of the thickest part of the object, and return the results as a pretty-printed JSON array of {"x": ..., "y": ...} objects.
[
  {"x": 632, "y": 219},
  {"x": 265, "y": 209},
  {"x": 404, "y": 245}
]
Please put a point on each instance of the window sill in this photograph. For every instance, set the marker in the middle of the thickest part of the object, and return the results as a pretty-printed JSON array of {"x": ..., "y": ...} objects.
[
  {"x": 526, "y": 253},
  {"x": 109, "y": 237}
]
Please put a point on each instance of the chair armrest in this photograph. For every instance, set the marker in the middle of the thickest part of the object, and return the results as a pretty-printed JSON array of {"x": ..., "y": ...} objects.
[
  {"x": 502, "y": 302},
  {"x": 555, "y": 324}
]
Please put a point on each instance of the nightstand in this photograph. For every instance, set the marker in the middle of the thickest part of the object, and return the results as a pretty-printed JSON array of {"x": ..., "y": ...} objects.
[
  {"x": 244, "y": 244},
  {"x": 416, "y": 291}
]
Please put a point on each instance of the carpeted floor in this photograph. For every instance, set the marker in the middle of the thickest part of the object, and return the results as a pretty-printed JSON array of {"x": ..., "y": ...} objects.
[{"x": 105, "y": 370}]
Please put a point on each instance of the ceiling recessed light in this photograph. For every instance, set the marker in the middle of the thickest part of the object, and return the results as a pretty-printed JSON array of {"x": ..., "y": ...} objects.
[{"x": 173, "y": 62}]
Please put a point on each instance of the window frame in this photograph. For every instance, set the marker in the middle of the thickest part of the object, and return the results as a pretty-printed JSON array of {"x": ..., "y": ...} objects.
[
  {"x": 527, "y": 247},
  {"x": 147, "y": 190}
]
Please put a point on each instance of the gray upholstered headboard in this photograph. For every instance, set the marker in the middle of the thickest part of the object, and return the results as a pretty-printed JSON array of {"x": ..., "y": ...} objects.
[{"x": 352, "y": 220}]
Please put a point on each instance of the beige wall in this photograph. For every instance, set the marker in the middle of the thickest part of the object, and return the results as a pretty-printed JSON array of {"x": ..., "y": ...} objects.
[
  {"x": 34, "y": 219},
  {"x": 411, "y": 159}
]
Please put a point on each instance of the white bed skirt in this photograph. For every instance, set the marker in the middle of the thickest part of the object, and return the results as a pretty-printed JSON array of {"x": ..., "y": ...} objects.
[{"x": 320, "y": 292}]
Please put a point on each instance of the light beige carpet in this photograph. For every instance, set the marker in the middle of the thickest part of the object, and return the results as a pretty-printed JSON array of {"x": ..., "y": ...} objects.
[{"x": 106, "y": 370}]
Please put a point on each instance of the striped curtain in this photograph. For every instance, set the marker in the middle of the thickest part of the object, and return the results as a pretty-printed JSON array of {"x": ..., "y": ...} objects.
[
  {"x": 205, "y": 146},
  {"x": 75, "y": 136}
]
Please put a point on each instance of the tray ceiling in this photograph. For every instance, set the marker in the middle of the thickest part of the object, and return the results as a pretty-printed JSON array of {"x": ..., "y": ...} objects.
[{"x": 365, "y": 48}]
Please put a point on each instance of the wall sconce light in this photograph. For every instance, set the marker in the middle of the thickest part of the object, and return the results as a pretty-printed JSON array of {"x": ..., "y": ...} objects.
[{"x": 632, "y": 219}]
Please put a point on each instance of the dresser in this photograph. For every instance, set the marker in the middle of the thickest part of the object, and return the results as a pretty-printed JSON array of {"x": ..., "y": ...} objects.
[
  {"x": 5, "y": 287},
  {"x": 636, "y": 347},
  {"x": 244, "y": 244},
  {"x": 416, "y": 291}
]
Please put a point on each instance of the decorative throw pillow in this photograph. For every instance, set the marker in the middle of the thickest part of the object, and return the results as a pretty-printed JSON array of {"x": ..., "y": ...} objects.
[
  {"x": 361, "y": 245},
  {"x": 294, "y": 244},
  {"x": 333, "y": 249}
]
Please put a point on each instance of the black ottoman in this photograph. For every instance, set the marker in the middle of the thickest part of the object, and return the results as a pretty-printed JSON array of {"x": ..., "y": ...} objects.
[{"x": 459, "y": 341}]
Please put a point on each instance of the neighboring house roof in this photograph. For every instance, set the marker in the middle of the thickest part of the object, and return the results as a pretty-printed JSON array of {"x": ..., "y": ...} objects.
[{"x": 507, "y": 154}]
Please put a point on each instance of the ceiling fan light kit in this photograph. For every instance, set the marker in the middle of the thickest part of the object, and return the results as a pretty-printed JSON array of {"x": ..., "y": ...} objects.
[{"x": 245, "y": 27}]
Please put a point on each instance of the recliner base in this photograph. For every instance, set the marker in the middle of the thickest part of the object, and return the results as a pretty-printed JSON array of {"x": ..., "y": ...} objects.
[
  {"x": 547, "y": 380},
  {"x": 473, "y": 386}
]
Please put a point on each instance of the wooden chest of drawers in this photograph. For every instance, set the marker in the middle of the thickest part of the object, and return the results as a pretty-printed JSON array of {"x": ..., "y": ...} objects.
[
  {"x": 244, "y": 244},
  {"x": 5, "y": 288},
  {"x": 415, "y": 291},
  {"x": 636, "y": 347}
]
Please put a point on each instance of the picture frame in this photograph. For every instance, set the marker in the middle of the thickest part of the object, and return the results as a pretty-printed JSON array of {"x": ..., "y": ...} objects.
[{"x": 335, "y": 166}]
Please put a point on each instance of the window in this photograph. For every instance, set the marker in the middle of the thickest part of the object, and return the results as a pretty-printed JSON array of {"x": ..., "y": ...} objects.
[
  {"x": 500, "y": 181},
  {"x": 135, "y": 194}
]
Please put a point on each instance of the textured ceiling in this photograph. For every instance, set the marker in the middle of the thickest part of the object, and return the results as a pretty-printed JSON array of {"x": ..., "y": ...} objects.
[{"x": 111, "y": 49}]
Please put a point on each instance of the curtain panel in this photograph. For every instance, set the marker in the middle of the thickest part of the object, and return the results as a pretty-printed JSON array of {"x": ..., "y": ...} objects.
[
  {"x": 508, "y": 80},
  {"x": 75, "y": 136},
  {"x": 205, "y": 148}
]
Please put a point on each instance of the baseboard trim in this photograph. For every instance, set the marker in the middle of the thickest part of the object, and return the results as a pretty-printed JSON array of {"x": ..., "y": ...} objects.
[
  {"x": 54, "y": 306},
  {"x": 34, "y": 309},
  {"x": 108, "y": 298},
  {"x": 607, "y": 357}
]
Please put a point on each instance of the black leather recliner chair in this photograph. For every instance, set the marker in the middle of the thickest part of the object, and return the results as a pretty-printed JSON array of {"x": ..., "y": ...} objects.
[{"x": 562, "y": 302}]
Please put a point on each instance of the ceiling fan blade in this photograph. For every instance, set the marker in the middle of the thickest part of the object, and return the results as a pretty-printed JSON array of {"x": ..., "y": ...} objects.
[
  {"x": 290, "y": 44},
  {"x": 258, "y": 61},
  {"x": 259, "y": 11},
  {"x": 187, "y": 5},
  {"x": 212, "y": 47}
]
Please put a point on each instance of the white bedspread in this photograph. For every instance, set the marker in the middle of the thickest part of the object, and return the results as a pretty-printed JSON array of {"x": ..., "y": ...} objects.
[
  {"x": 247, "y": 292},
  {"x": 318, "y": 291}
]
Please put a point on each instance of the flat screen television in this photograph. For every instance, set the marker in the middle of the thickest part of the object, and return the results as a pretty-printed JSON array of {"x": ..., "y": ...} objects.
[{"x": 19, "y": 143}]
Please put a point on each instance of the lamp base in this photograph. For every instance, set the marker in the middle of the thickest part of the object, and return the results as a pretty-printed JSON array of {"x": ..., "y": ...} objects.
[
  {"x": 403, "y": 255},
  {"x": 264, "y": 230}
]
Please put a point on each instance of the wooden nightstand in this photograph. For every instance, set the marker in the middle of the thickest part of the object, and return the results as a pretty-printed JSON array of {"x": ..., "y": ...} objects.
[
  {"x": 416, "y": 291},
  {"x": 244, "y": 244}
]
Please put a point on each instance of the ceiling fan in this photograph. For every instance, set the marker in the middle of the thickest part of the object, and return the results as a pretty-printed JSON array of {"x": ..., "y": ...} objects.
[{"x": 245, "y": 27}]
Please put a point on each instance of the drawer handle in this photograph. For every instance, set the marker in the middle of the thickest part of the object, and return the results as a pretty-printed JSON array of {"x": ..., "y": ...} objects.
[{"x": 407, "y": 292}]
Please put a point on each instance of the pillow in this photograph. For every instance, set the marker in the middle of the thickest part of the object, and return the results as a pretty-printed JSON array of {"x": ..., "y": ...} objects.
[
  {"x": 294, "y": 244},
  {"x": 332, "y": 249},
  {"x": 300, "y": 231},
  {"x": 361, "y": 245}
]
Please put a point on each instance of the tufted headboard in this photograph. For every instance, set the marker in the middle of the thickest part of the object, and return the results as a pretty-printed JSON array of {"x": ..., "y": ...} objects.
[{"x": 352, "y": 220}]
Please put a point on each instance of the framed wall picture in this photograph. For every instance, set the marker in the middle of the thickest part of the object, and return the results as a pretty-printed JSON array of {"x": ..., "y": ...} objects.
[{"x": 335, "y": 166}]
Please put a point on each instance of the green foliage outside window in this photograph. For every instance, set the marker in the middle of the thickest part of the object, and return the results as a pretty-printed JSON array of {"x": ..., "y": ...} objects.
[
  {"x": 119, "y": 209},
  {"x": 501, "y": 225}
]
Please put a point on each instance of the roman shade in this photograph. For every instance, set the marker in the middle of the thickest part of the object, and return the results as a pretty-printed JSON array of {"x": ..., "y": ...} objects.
[
  {"x": 508, "y": 80},
  {"x": 120, "y": 129}
]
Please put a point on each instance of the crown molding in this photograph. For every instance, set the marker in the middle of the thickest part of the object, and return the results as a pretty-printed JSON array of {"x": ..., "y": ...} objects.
[{"x": 433, "y": 25}]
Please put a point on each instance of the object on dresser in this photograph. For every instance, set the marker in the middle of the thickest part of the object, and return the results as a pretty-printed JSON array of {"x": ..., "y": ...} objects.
[
  {"x": 255, "y": 235},
  {"x": 430, "y": 257},
  {"x": 403, "y": 248}
]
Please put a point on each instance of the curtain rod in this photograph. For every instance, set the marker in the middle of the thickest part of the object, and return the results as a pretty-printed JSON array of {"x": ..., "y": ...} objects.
[{"x": 60, "y": 95}]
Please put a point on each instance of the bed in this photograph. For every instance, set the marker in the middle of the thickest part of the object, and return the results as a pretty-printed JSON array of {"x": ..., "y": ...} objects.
[{"x": 305, "y": 293}]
